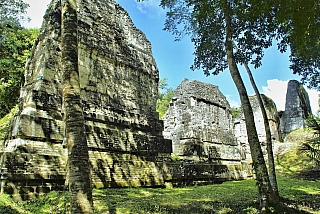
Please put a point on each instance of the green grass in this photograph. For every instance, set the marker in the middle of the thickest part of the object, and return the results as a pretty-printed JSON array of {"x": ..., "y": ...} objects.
[
  {"x": 8, "y": 206},
  {"x": 196, "y": 199},
  {"x": 298, "y": 196},
  {"x": 300, "y": 135},
  {"x": 53, "y": 202},
  {"x": 293, "y": 162}
]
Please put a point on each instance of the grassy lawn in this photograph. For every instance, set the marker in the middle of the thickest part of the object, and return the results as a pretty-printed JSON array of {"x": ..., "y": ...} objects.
[{"x": 298, "y": 196}]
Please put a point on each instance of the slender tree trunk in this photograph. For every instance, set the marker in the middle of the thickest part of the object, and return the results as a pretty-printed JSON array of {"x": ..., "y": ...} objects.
[
  {"x": 259, "y": 165},
  {"x": 78, "y": 159},
  {"x": 272, "y": 170}
]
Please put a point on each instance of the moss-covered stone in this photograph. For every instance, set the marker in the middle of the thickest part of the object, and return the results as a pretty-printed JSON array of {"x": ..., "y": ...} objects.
[{"x": 119, "y": 85}]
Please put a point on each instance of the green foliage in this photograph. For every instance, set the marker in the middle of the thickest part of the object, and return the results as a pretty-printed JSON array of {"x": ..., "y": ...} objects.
[
  {"x": 15, "y": 48},
  {"x": 11, "y": 13},
  {"x": 5, "y": 122},
  {"x": 235, "y": 112},
  {"x": 165, "y": 94},
  {"x": 204, "y": 22},
  {"x": 175, "y": 158},
  {"x": 255, "y": 24},
  {"x": 303, "y": 37},
  {"x": 53, "y": 202},
  {"x": 13, "y": 51},
  {"x": 312, "y": 147},
  {"x": 298, "y": 32},
  {"x": 8, "y": 206}
]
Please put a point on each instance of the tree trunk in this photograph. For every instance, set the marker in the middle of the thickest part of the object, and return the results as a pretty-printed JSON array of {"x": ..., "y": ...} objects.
[
  {"x": 259, "y": 165},
  {"x": 272, "y": 170},
  {"x": 78, "y": 159}
]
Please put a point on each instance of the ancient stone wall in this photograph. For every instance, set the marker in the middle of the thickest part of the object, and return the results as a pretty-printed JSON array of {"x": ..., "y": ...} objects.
[
  {"x": 119, "y": 83},
  {"x": 240, "y": 129},
  {"x": 297, "y": 108},
  {"x": 200, "y": 125},
  {"x": 119, "y": 87}
]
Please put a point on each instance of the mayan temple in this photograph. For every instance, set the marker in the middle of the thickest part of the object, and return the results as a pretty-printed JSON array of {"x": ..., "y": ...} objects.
[
  {"x": 240, "y": 129},
  {"x": 297, "y": 108},
  {"x": 119, "y": 85},
  {"x": 119, "y": 90},
  {"x": 200, "y": 125}
]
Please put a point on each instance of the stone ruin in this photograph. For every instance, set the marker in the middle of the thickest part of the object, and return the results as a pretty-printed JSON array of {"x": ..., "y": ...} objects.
[
  {"x": 297, "y": 108},
  {"x": 119, "y": 83},
  {"x": 119, "y": 88},
  {"x": 240, "y": 130},
  {"x": 128, "y": 144},
  {"x": 200, "y": 125},
  {"x": 205, "y": 136},
  {"x": 198, "y": 120}
]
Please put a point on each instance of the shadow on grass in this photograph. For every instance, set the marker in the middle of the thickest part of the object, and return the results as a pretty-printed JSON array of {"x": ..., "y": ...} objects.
[
  {"x": 8, "y": 210},
  {"x": 192, "y": 200},
  {"x": 310, "y": 175},
  {"x": 238, "y": 197},
  {"x": 301, "y": 200}
]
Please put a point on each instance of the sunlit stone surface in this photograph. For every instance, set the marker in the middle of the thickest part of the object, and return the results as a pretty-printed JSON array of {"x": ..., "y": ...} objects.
[
  {"x": 119, "y": 82},
  {"x": 297, "y": 108}
]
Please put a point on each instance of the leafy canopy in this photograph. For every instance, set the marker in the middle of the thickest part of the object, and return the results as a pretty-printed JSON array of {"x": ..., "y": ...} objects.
[
  {"x": 204, "y": 22},
  {"x": 300, "y": 31},
  {"x": 165, "y": 94},
  {"x": 312, "y": 146},
  {"x": 15, "y": 48},
  {"x": 294, "y": 24},
  {"x": 15, "y": 45},
  {"x": 11, "y": 13}
]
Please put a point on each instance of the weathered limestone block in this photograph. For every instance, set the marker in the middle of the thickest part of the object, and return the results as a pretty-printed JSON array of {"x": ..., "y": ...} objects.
[
  {"x": 195, "y": 173},
  {"x": 200, "y": 125},
  {"x": 297, "y": 108},
  {"x": 199, "y": 122},
  {"x": 33, "y": 167},
  {"x": 119, "y": 85},
  {"x": 272, "y": 114},
  {"x": 110, "y": 169}
]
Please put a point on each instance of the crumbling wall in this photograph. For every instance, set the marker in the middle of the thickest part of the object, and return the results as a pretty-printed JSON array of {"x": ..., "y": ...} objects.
[
  {"x": 119, "y": 84},
  {"x": 200, "y": 125},
  {"x": 240, "y": 129},
  {"x": 297, "y": 108}
]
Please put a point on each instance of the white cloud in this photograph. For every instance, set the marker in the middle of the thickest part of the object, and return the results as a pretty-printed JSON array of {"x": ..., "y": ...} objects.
[
  {"x": 149, "y": 7},
  {"x": 313, "y": 97},
  {"x": 36, "y": 12},
  {"x": 277, "y": 89},
  {"x": 233, "y": 103}
]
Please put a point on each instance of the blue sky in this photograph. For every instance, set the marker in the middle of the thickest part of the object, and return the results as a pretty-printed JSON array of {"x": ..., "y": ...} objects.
[{"x": 175, "y": 58}]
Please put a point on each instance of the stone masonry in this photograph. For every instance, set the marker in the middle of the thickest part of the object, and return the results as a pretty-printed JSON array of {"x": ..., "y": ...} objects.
[
  {"x": 119, "y": 83},
  {"x": 128, "y": 144},
  {"x": 274, "y": 122},
  {"x": 200, "y": 125},
  {"x": 297, "y": 108}
]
